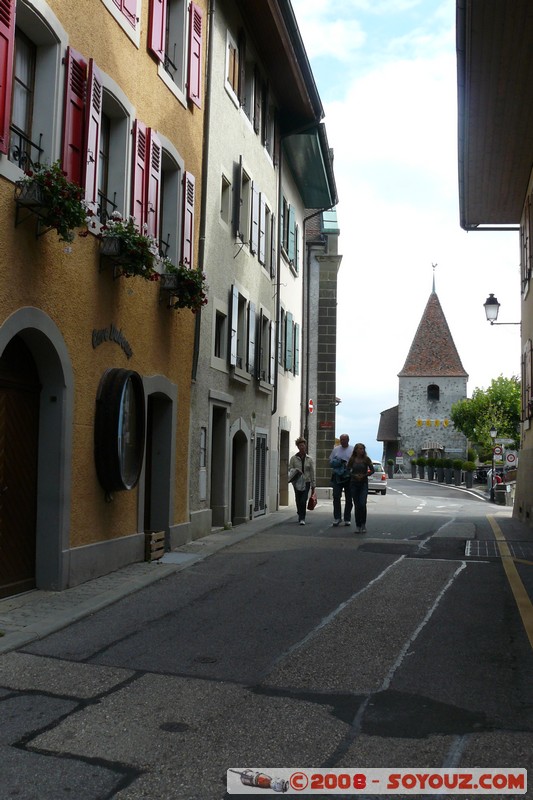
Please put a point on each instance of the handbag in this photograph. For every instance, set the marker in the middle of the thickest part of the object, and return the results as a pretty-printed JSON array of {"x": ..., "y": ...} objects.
[{"x": 311, "y": 503}]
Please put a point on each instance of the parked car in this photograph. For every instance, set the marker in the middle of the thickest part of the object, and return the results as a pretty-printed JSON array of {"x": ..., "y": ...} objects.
[{"x": 378, "y": 481}]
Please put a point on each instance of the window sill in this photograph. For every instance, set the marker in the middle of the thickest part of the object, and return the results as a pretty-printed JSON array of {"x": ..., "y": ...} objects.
[
  {"x": 241, "y": 376},
  {"x": 264, "y": 387}
]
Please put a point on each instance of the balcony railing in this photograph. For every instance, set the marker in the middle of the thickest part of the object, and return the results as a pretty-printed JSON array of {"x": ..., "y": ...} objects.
[{"x": 22, "y": 151}]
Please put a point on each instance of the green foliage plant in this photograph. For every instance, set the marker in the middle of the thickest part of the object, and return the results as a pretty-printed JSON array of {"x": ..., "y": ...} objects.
[
  {"x": 62, "y": 199},
  {"x": 138, "y": 254},
  {"x": 457, "y": 463},
  {"x": 497, "y": 406},
  {"x": 468, "y": 466},
  {"x": 191, "y": 287}
]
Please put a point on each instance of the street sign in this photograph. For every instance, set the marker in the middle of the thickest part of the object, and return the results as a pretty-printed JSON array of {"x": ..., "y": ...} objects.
[
  {"x": 511, "y": 459},
  {"x": 311, "y": 406},
  {"x": 498, "y": 451},
  {"x": 504, "y": 441}
]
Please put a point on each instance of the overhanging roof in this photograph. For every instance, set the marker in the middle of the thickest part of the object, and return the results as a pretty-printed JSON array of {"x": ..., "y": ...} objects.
[
  {"x": 278, "y": 41},
  {"x": 495, "y": 105},
  {"x": 310, "y": 161}
]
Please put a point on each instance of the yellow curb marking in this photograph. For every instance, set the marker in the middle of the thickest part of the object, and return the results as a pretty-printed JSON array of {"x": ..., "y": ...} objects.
[{"x": 525, "y": 607}]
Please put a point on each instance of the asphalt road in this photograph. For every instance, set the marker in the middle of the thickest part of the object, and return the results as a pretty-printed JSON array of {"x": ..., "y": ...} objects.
[{"x": 298, "y": 647}]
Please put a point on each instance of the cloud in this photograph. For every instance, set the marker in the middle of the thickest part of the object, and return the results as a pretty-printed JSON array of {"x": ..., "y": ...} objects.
[{"x": 391, "y": 117}]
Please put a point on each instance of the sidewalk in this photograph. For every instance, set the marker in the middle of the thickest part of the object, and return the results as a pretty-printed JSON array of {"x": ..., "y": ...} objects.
[{"x": 33, "y": 615}]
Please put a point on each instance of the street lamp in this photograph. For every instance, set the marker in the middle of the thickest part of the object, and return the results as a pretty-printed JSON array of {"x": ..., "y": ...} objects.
[
  {"x": 493, "y": 434},
  {"x": 492, "y": 307}
]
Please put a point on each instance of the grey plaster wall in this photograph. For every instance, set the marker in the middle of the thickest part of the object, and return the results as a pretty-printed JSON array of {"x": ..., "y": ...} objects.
[{"x": 414, "y": 406}]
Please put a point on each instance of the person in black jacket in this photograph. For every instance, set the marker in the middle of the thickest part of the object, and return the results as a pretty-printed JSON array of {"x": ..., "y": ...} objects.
[{"x": 360, "y": 466}]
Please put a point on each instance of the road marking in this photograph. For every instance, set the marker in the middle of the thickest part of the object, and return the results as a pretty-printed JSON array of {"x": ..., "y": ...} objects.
[{"x": 525, "y": 607}]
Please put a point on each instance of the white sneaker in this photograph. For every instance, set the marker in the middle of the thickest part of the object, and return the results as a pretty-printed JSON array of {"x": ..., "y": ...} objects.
[
  {"x": 363, "y": 529},
  {"x": 336, "y": 522},
  {"x": 302, "y": 522}
]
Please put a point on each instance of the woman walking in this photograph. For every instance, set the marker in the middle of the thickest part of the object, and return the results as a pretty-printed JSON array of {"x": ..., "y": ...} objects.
[
  {"x": 302, "y": 477},
  {"x": 360, "y": 466}
]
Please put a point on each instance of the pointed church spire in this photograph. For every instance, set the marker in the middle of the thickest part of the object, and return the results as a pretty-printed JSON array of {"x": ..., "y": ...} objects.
[
  {"x": 433, "y": 352},
  {"x": 434, "y": 268}
]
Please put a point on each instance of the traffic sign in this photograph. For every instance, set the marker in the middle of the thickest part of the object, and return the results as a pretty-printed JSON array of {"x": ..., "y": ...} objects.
[
  {"x": 311, "y": 406},
  {"x": 511, "y": 458},
  {"x": 498, "y": 450}
]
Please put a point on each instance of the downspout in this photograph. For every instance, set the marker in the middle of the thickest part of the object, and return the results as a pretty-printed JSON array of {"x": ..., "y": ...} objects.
[{"x": 203, "y": 201}]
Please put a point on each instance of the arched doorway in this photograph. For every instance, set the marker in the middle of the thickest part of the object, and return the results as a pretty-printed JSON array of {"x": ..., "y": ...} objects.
[{"x": 19, "y": 444}]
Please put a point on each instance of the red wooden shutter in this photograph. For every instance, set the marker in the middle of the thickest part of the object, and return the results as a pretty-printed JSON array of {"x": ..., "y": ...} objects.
[
  {"x": 194, "y": 82},
  {"x": 74, "y": 116},
  {"x": 7, "y": 47},
  {"x": 156, "y": 35},
  {"x": 92, "y": 136},
  {"x": 188, "y": 220},
  {"x": 153, "y": 168},
  {"x": 138, "y": 194}
]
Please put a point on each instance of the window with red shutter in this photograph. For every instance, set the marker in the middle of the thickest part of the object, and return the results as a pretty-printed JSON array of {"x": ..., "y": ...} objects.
[
  {"x": 153, "y": 168},
  {"x": 194, "y": 80},
  {"x": 7, "y": 46},
  {"x": 188, "y": 220},
  {"x": 74, "y": 116},
  {"x": 157, "y": 32},
  {"x": 129, "y": 9},
  {"x": 139, "y": 187},
  {"x": 92, "y": 136}
]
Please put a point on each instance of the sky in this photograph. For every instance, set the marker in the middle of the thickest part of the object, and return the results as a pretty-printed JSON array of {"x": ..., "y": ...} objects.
[{"x": 386, "y": 74}]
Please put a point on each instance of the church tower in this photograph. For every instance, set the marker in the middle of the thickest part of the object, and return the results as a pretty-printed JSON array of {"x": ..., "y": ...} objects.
[{"x": 430, "y": 382}]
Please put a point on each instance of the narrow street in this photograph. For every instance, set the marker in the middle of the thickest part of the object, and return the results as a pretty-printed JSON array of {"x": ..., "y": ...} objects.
[{"x": 295, "y": 647}]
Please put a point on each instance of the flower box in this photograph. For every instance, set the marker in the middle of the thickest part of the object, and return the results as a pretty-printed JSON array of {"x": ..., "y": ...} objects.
[
  {"x": 28, "y": 194},
  {"x": 111, "y": 246},
  {"x": 169, "y": 282}
]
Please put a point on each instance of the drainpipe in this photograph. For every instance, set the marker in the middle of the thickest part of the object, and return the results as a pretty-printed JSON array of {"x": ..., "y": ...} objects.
[{"x": 203, "y": 201}]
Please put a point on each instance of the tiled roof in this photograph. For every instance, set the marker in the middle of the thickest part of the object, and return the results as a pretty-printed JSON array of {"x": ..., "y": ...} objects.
[
  {"x": 433, "y": 352},
  {"x": 388, "y": 425}
]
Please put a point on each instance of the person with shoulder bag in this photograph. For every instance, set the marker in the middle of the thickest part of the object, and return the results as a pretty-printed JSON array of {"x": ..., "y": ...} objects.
[
  {"x": 360, "y": 466},
  {"x": 302, "y": 477}
]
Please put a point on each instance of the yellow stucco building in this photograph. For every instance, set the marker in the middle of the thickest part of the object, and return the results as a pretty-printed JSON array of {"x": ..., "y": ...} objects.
[{"x": 93, "y": 364}]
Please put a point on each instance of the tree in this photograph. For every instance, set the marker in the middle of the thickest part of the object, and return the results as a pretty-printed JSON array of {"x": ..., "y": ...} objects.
[{"x": 497, "y": 406}]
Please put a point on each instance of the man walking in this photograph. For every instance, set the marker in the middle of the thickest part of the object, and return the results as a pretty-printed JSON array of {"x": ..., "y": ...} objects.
[{"x": 340, "y": 479}]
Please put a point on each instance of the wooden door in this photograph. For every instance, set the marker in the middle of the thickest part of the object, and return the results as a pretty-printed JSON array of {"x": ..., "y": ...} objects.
[{"x": 19, "y": 430}]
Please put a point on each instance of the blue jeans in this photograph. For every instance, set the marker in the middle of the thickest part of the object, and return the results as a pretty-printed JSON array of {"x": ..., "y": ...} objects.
[
  {"x": 359, "y": 492},
  {"x": 338, "y": 489}
]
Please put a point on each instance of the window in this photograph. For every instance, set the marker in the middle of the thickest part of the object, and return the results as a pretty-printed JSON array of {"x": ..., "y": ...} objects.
[
  {"x": 23, "y": 94},
  {"x": 243, "y": 332},
  {"x": 433, "y": 392},
  {"x": 242, "y": 203},
  {"x": 113, "y": 148},
  {"x": 281, "y": 340},
  {"x": 129, "y": 9},
  {"x": 29, "y": 63},
  {"x": 225, "y": 199},
  {"x": 180, "y": 58},
  {"x": 266, "y": 344},
  {"x": 170, "y": 219},
  {"x": 290, "y": 234},
  {"x": 220, "y": 334},
  {"x": 232, "y": 66}
]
